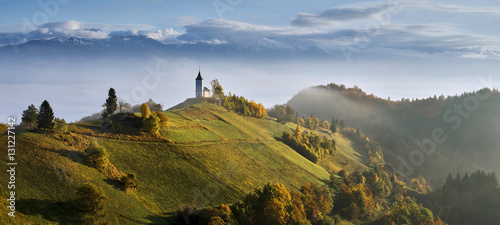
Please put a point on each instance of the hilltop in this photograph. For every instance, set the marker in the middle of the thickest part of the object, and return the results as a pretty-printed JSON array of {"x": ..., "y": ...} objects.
[
  {"x": 466, "y": 125},
  {"x": 206, "y": 156}
]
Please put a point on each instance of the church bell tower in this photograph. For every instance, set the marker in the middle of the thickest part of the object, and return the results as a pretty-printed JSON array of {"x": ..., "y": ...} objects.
[{"x": 199, "y": 85}]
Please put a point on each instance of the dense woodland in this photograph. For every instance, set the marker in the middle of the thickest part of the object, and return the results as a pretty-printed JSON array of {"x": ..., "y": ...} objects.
[
  {"x": 466, "y": 125},
  {"x": 467, "y": 199}
]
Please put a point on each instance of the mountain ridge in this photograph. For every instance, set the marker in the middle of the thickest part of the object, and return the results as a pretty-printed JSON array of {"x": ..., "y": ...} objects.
[
  {"x": 401, "y": 127},
  {"x": 140, "y": 45}
]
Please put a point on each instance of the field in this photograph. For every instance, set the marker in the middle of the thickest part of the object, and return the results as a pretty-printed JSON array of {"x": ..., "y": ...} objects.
[{"x": 206, "y": 156}]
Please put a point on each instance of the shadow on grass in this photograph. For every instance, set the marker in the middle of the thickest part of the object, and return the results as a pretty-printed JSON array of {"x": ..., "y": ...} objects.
[
  {"x": 166, "y": 218},
  {"x": 62, "y": 212},
  {"x": 115, "y": 183},
  {"x": 71, "y": 154},
  {"x": 90, "y": 125}
]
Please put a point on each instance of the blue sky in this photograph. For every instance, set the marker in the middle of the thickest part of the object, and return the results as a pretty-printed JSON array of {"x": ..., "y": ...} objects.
[{"x": 408, "y": 48}]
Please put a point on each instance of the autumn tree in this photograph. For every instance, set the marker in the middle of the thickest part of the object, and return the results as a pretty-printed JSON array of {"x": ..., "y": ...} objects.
[
  {"x": 269, "y": 204},
  {"x": 30, "y": 115},
  {"x": 254, "y": 108},
  {"x": 325, "y": 124},
  {"x": 45, "y": 116},
  {"x": 407, "y": 211},
  {"x": 217, "y": 91},
  {"x": 3, "y": 128},
  {"x": 318, "y": 202},
  {"x": 262, "y": 111},
  {"x": 315, "y": 123},
  {"x": 163, "y": 119},
  {"x": 145, "y": 112},
  {"x": 297, "y": 134}
]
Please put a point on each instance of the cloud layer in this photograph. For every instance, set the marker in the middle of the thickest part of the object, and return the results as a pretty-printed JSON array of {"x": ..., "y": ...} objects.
[{"x": 378, "y": 28}]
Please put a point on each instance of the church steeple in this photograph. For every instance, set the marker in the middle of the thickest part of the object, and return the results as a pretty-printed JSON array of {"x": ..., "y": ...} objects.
[
  {"x": 199, "y": 76},
  {"x": 199, "y": 85}
]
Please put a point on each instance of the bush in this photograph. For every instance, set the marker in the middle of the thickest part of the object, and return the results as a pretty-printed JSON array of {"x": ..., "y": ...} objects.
[
  {"x": 163, "y": 119},
  {"x": 91, "y": 202},
  {"x": 3, "y": 128},
  {"x": 129, "y": 181},
  {"x": 97, "y": 156},
  {"x": 61, "y": 127},
  {"x": 152, "y": 124}
]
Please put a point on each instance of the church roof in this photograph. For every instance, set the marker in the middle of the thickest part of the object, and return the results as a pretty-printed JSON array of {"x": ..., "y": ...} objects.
[
  {"x": 199, "y": 76},
  {"x": 206, "y": 89}
]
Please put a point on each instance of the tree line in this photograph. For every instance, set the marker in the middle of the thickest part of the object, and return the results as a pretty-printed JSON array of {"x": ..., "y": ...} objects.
[
  {"x": 467, "y": 199},
  {"x": 352, "y": 197},
  {"x": 239, "y": 104},
  {"x": 44, "y": 118}
]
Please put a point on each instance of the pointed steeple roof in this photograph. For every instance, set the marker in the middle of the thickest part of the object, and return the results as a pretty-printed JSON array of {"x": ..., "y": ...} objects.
[{"x": 199, "y": 76}]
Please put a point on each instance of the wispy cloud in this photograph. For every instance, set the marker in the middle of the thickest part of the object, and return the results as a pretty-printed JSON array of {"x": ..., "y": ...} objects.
[
  {"x": 460, "y": 9},
  {"x": 337, "y": 15}
]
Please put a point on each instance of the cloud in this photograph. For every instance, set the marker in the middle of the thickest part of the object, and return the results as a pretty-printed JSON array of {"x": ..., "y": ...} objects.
[
  {"x": 416, "y": 37},
  {"x": 87, "y": 31},
  {"x": 412, "y": 40},
  {"x": 493, "y": 11},
  {"x": 336, "y": 15},
  {"x": 216, "y": 30},
  {"x": 66, "y": 25}
]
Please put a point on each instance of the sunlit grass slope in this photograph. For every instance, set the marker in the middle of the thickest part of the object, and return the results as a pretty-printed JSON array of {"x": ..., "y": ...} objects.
[{"x": 209, "y": 156}]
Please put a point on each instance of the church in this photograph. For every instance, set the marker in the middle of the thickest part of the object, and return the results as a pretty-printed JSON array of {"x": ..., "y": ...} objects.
[{"x": 201, "y": 92}]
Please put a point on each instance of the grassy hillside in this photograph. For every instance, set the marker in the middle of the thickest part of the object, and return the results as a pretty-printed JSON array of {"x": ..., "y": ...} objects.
[{"x": 206, "y": 156}]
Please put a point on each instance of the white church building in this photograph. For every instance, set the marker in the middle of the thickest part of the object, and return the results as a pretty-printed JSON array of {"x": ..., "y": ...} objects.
[{"x": 201, "y": 92}]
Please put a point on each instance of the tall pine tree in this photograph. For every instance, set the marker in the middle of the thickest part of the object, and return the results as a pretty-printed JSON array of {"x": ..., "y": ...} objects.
[
  {"x": 333, "y": 126},
  {"x": 45, "y": 116},
  {"x": 111, "y": 103},
  {"x": 30, "y": 115}
]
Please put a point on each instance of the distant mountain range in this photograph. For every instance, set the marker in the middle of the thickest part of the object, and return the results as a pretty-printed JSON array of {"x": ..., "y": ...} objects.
[{"x": 141, "y": 45}]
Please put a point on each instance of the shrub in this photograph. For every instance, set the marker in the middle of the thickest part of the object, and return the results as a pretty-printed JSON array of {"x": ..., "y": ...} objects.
[
  {"x": 91, "y": 202},
  {"x": 3, "y": 128},
  {"x": 163, "y": 119},
  {"x": 129, "y": 181},
  {"x": 97, "y": 156},
  {"x": 61, "y": 127},
  {"x": 152, "y": 124}
]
